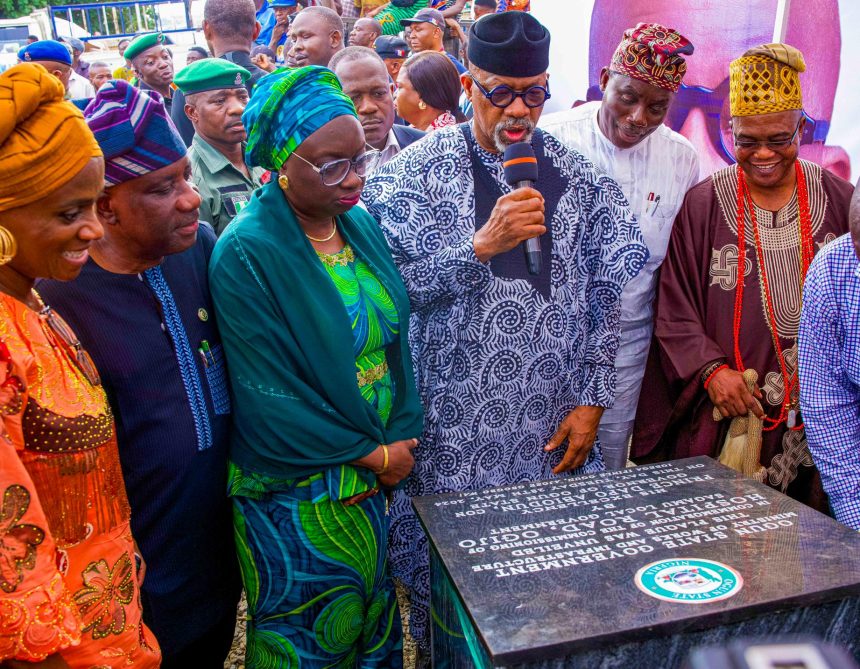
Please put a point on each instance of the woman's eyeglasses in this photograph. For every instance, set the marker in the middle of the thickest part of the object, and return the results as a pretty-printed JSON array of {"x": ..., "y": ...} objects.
[
  {"x": 504, "y": 96},
  {"x": 334, "y": 172},
  {"x": 62, "y": 332}
]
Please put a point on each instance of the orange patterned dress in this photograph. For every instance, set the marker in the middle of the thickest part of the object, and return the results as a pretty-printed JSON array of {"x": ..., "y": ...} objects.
[{"x": 68, "y": 577}]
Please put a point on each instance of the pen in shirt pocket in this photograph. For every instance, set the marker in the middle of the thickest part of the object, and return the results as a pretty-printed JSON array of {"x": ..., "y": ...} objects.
[{"x": 206, "y": 354}]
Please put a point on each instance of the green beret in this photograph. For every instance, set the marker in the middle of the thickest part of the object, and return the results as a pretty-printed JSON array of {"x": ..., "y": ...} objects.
[
  {"x": 210, "y": 74},
  {"x": 142, "y": 43}
]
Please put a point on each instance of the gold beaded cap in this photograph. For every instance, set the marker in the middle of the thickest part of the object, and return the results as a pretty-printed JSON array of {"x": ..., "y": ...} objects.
[{"x": 766, "y": 79}]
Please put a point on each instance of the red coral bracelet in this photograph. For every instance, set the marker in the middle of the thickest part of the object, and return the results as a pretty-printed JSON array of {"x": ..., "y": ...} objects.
[{"x": 713, "y": 374}]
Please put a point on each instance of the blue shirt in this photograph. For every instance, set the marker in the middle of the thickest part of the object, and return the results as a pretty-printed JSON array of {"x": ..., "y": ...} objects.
[
  {"x": 266, "y": 19},
  {"x": 829, "y": 368},
  {"x": 461, "y": 69},
  {"x": 172, "y": 421}
]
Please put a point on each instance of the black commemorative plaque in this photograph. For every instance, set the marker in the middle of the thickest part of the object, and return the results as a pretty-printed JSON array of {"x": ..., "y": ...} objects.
[{"x": 634, "y": 566}]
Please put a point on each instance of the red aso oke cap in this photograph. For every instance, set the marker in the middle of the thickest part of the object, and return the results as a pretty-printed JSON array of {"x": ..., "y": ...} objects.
[{"x": 652, "y": 53}]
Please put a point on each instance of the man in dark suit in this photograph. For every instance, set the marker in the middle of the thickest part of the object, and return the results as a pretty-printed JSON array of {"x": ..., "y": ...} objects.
[
  {"x": 230, "y": 28},
  {"x": 365, "y": 80}
]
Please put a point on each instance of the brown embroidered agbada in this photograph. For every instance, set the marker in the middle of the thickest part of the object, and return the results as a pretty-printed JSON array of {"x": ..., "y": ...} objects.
[{"x": 694, "y": 324}]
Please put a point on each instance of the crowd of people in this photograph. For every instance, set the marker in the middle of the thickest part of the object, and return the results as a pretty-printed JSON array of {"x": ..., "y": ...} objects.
[{"x": 250, "y": 308}]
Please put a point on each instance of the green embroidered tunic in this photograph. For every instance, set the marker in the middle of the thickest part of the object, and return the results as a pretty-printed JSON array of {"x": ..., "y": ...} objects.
[{"x": 374, "y": 320}]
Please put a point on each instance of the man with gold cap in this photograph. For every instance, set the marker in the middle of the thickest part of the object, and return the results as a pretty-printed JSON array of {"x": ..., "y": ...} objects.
[
  {"x": 729, "y": 297},
  {"x": 515, "y": 363},
  {"x": 141, "y": 306},
  {"x": 215, "y": 97},
  {"x": 624, "y": 135}
]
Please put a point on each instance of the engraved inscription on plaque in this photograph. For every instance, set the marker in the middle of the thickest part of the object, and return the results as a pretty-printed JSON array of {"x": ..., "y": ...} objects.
[
  {"x": 623, "y": 555},
  {"x": 612, "y": 517}
]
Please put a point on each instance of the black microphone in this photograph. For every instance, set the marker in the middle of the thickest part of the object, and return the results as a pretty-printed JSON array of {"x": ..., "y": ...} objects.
[{"x": 521, "y": 171}]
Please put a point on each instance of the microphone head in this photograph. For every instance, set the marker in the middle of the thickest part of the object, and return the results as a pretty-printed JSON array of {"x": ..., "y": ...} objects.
[{"x": 520, "y": 163}]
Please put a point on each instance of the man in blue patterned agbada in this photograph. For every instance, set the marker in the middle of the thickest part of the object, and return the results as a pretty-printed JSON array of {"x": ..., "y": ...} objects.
[{"x": 514, "y": 369}]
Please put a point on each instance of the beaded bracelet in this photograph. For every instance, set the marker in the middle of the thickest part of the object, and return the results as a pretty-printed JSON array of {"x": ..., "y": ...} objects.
[
  {"x": 719, "y": 368},
  {"x": 709, "y": 369}
]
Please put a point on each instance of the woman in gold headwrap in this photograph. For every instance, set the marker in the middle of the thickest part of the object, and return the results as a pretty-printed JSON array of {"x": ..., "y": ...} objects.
[{"x": 68, "y": 579}]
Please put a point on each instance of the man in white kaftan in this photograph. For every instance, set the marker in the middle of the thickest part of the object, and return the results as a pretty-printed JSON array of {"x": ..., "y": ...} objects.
[{"x": 625, "y": 137}]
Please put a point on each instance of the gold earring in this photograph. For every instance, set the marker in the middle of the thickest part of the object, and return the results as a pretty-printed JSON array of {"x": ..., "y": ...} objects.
[
  {"x": 422, "y": 105},
  {"x": 284, "y": 182},
  {"x": 8, "y": 246}
]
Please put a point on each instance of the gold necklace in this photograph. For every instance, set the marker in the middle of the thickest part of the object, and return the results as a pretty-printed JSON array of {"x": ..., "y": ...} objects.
[{"x": 327, "y": 239}]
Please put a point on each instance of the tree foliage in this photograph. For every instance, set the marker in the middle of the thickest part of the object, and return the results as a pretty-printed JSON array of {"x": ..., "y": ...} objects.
[{"x": 13, "y": 9}]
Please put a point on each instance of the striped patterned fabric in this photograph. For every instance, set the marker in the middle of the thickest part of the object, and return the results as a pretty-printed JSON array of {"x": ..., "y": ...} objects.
[{"x": 133, "y": 130}]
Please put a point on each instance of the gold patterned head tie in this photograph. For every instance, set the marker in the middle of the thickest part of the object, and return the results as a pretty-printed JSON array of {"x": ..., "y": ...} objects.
[{"x": 766, "y": 79}]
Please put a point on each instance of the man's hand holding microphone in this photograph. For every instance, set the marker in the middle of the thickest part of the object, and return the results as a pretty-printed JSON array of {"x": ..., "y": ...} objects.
[{"x": 517, "y": 216}]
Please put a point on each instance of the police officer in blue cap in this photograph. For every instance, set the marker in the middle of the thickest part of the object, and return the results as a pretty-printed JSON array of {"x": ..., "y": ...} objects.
[
  {"x": 393, "y": 51},
  {"x": 57, "y": 59},
  {"x": 50, "y": 54}
]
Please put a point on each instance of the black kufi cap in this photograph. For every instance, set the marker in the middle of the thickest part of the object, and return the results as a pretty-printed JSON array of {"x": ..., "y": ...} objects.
[{"x": 510, "y": 44}]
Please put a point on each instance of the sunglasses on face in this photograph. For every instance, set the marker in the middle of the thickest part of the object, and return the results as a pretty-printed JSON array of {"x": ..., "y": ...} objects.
[
  {"x": 714, "y": 104},
  {"x": 334, "y": 172},
  {"x": 504, "y": 96}
]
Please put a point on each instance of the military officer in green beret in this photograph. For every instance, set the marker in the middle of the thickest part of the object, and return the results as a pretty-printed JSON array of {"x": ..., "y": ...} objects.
[
  {"x": 152, "y": 64},
  {"x": 215, "y": 97}
]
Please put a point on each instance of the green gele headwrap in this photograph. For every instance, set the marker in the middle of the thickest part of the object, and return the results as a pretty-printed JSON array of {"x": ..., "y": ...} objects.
[{"x": 286, "y": 108}]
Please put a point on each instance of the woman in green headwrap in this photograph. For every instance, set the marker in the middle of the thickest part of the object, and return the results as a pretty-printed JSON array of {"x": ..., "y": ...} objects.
[{"x": 313, "y": 319}]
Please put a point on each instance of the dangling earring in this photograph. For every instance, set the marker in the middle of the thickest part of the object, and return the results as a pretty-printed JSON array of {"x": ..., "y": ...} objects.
[
  {"x": 422, "y": 105},
  {"x": 8, "y": 246},
  {"x": 284, "y": 182}
]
